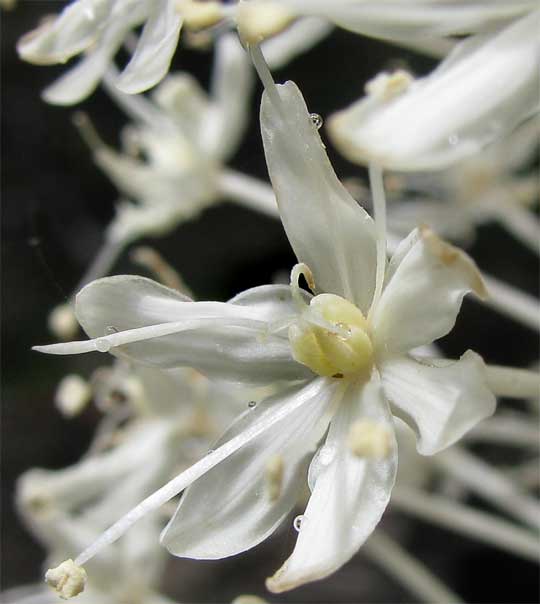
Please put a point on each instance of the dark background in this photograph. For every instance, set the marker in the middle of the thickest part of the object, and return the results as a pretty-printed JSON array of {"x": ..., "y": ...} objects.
[{"x": 55, "y": 205}]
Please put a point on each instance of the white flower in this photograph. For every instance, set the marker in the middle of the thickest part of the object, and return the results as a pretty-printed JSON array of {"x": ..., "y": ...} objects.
[
  {"x": 341, "y": 358},
  {"x": 482, "y": 90}
]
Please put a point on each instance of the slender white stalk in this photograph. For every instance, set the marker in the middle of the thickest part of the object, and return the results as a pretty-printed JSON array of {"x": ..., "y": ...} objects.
[
  {"x": 409, "y": 571},
  {"x": 379, "y": 210},
  {"x": 184, "y": 479},
  {"x": 466, "y": 521},
  {"x": 521, "y": 223},
  {"x": 512, "y": 302},
  {"x": 490, "y": 484},
  {"x": 140, "y": 334},
  {"x": 527, "y": 474},
  {"x": 265, "y": 75},
  {"x": 136, "y": 106},
  {"x": 507, "y": 430},
  {"x": 250, "y": 192},
  {"x": 514, "y": 383}
]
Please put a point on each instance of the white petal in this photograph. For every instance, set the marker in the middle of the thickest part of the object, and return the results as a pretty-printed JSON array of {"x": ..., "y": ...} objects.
[
  {"x": 81, "y": 80},
  {"x": 230, "y": 91},
  {"x": 74, "y": 30},
  {"x": 327, "y": 229},
  {"x": 420, "y": 303},
  {"x": 349, "y": 497},
  {"x": 397, "y": 20},
  {"x": 300, "y": 37},
  {"x": 483, "y": 89},
  {"x": 440, "y": 402},
  {"x": 158, "y": 326},
  {"x": 231, "y": 508},
  {"x": 155, "y": 49}
]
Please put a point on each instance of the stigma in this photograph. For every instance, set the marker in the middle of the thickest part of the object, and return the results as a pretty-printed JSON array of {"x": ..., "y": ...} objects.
[{"x": 331, "y": 338}]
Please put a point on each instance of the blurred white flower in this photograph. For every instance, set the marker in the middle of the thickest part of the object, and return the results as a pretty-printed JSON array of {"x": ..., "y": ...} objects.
[
  {"x": 339, "y": 357},
  {"x": 174, "y": 417},
  {"x": 173, "y": 164},
  {"x": 495, "y": 184},
  {"x": 482, "y": 90},
  {"x": 99, "y": 28}
]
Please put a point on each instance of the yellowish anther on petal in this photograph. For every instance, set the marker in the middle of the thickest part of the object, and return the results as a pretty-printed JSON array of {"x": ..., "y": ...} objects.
[
  {"x": 62, "y": 322},
  {"x": 331, "y": 338},
  {"x": 72, "y": 395},
  {"x": 199, "y": 15},
  {"x": 257, "y": 21},
  {"x": 67, "y": 579},
  {"x": 274, "y": 476},
  {"x": 369, "y": 439},
  {"x": 386, "y": 86},
  {"x": 452, "y": 256}
]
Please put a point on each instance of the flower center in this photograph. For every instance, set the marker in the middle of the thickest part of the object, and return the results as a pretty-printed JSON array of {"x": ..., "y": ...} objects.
[{"x": 331, "y": 338}]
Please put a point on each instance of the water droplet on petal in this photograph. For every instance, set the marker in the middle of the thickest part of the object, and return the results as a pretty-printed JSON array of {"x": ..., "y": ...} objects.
[
  {"x": 252, "y": 404},
  {"x": 102, "y": 345},
  {"x": 297, "y": 523},
  {"x": 110, "y": 329},
  {"x": 316, "y": 120}
]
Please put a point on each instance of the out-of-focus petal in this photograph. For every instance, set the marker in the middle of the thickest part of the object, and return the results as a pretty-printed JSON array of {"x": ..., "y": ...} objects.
[
  {"x": 327, "y": 229},
  {"x": 421, "y": 300},
  {"x": 397, "y": 20},
  {"x": 230, "y": 91},
  {"x": 154, "y": 51},
  {"x": 81, "y": 80},
  {"x": 485, "y": 87},
  {"x": 151, "y": 324},
  {"x": 60, "y": 38},
  {"x": 349, "y": 495},
  {"x": 441, "y": 402},
  {"x": 300, "y": 37},
  {"x": 240, "y": 502}
]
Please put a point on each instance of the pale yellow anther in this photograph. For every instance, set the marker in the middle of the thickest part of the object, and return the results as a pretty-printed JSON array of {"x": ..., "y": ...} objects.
[
  {"x": 62, "y": 322},
  {"x": 369, "y": 439},
  {"x": 257, "y": 21},
  {"x": 72, "y": 395},
  {"x": 246, "y": 599},
  {"x": 67, "y": 579},
  {"x": 386, "y": 86},
  {"x": 331, "y": 338},
  {"x": 199, "y": 15},
  {"x": 274, "y": 476}
]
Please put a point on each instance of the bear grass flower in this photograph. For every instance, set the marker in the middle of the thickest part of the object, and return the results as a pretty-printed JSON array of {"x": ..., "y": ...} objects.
[
  {"x": 484, "y": 89},
  {"x": 340, "y": 361}
]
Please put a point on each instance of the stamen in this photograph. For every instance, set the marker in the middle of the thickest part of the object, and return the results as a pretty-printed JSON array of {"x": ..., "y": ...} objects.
[
  {"x": 379, "y": 210},
  {"x": 87, "y": 130},
  {"x": 67, "y": 579},
  {"x": 151, "y": 260},
  {"x": 62, "y": 322},
  {"x": 259, "y": 62},
  {"x": 72, "y": 395},
  {"x": 296, "y": 291}
]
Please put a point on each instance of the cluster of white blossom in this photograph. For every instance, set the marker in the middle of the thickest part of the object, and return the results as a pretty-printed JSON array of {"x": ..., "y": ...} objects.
[{"x": 342, "y": 377}]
